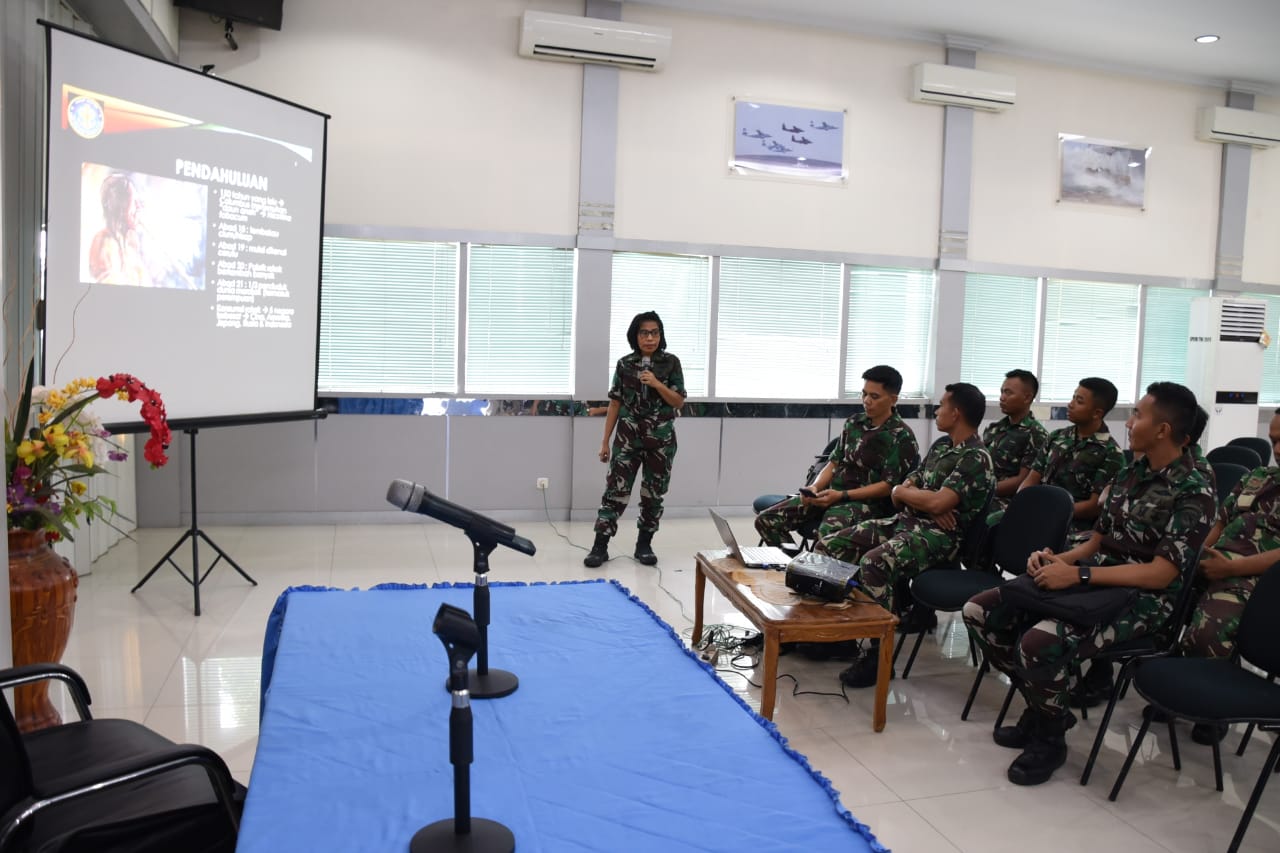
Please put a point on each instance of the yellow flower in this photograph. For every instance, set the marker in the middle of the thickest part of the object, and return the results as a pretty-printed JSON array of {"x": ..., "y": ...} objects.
[
  {"x": 56, "y": 400},
  {"x": 29, "y": 451},
  {"x": 78, "y": 487},
  {"x": 44, "y": 417}
]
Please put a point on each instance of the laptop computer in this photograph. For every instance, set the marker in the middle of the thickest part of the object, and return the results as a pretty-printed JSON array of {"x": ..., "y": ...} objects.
[{"x": 754, "y": 557}]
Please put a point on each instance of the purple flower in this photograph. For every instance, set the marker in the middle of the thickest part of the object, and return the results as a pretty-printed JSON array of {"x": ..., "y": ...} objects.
[{"x": 117, "y": 455}]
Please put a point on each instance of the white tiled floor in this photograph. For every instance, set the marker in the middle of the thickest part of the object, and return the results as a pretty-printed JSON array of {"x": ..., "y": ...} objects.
[{"x": 929, "y": 782}]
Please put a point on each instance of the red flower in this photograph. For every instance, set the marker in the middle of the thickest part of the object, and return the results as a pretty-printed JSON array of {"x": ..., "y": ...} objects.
[{"x": 153, "y": 414}]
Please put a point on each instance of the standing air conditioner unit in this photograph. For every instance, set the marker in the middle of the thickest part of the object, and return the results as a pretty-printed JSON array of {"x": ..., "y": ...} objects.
[
  {"x": 1225, "y": 124},
  {"x": 565, "y": 38},
  {"x": 1224, "y": 364},
  {"x": 952, "y": 85}
]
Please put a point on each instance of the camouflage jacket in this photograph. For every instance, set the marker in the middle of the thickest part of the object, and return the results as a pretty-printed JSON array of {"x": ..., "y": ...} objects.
[
  {"x": 1014, "y": 446},
  {"x": 1250, "y": 515},
  {"x": 1082, "y": 466},
  {"x": 865, "y": 455},
  {"x": 1149, "y": 514},
  {"x": 644, "y": 413},
  {"x": 966, "y": 469}
]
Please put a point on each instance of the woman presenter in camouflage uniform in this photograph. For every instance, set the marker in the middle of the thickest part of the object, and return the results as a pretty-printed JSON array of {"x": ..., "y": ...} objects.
[{"x": 647, "y": 391}]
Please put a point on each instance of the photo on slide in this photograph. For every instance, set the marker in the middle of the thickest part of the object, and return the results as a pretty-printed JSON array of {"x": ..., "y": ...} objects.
[{"x": 141, "y": 230}]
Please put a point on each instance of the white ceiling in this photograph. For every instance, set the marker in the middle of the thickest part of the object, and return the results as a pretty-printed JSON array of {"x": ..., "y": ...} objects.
[{"x": 1151, "y": 37}]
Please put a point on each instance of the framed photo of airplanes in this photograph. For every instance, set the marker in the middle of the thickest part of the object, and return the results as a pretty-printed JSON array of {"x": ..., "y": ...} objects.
[{"x": 785, "y": 141}]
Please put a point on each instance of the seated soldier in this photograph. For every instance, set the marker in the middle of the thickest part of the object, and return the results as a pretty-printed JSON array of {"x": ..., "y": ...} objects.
[
  {"x": 1083, "y": 457},
  {"x": 1243, "y": 544},
  {"x": 875, "y": 451},
  {"x": 936, "y": 504},
  {"x": 1153, "y": 524},
  {"x": 1095, "y": 687},
  {"x": 1016, "y": 440}
]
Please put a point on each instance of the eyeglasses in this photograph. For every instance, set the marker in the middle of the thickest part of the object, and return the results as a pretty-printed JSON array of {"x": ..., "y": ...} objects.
[{"x": 648, "y": 333}]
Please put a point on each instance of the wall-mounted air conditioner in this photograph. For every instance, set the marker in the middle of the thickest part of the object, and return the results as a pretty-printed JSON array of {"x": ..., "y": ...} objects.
[
  {"x": 952, "y": 85},
  {"x": 1225, "y": 124},
  {"x": 566, "y": 38}
]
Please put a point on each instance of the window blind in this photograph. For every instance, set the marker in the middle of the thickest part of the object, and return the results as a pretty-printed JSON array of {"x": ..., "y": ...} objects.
[
  {"x": 1165, "y": 326},
  {"x": 388, "y": 317},
  {"x": 778, "y": 329},
  {"x": 519, "y": 320},
  {"x": 1091, "y": 329},
  {"x": 1001, "y": 329},
  {"x": 890, "y": 322},
  {"x": 678, "y": 287}
]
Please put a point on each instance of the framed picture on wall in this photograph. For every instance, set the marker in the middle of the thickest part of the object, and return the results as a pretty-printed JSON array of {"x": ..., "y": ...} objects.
[
  {"x": 1098, "y": 171},
  {"x": 787, "y": 141}
]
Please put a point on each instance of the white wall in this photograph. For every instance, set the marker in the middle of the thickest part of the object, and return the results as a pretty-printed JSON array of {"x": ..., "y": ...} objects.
[
  {"x": 437, "y": 123},
  {"x": 1262, "y": 222},
  {"x": 675, "y": 126},
  {"x": 1016, "y": 218}
]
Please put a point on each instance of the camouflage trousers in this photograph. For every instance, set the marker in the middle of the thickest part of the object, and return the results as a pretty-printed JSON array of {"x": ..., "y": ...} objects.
[
  {"x": 626, "y": 459},
  {"x": 1037, "y": 653},
  {"x": 889, "y": 550},
  {"x": 1216, "y": 619},
  {"x": 776, "y": 523}
]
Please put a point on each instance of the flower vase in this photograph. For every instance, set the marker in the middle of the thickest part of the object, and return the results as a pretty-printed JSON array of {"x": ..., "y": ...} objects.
[{"x": 42, "y": 605}]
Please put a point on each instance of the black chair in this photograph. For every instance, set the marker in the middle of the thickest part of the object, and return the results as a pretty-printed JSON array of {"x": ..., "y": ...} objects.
[
  {"x": 108, "y": 786},
  {"x": 1225, "y": 477},
  {"x": 1220, "y": 691},
  {"x": 1259, "y": 445},
  {"x": 1130, "y": 653},
  {"x": 1237, "y": 454},
  {"x": 939, "y": 581},
  {"x": 1037, "y": 517}
]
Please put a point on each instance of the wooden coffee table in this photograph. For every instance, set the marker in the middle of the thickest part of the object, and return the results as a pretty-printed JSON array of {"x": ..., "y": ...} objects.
[{"x": 762, "y": 596}]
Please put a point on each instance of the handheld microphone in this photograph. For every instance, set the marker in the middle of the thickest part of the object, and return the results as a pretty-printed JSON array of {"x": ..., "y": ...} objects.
[
  {"x": 411, "y": 497},
  {"x": 644, "y": 365}
]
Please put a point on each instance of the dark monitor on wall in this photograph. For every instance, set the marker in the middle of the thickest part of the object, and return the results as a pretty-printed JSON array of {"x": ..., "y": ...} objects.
[{"x": 260, "y": 13}]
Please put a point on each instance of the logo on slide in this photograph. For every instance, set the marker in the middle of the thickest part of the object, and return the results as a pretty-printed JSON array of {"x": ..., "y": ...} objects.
[{"x": 85, "y": 115}]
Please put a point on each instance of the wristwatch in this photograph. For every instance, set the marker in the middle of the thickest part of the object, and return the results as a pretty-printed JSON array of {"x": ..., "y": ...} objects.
[{"x": 1085, "y": 573}]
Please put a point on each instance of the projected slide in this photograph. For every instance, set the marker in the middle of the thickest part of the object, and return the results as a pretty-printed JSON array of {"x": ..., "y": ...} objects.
[{"x": 183, "y": 234}]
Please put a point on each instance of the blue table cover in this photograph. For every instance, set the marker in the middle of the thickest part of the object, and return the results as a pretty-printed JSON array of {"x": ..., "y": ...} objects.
[{"x": 618, "y": 738}]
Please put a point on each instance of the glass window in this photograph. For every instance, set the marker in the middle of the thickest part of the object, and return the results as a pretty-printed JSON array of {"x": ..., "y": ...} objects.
[
  {"x": 778, "y": 329},
  {"x": 678, "y": 287},
  {"x": 1090, "y": 329},
  {"x": 890, "y": 322},
  {"x": 1165, "y": 326},
  {"x": 519, "y": 320},
  {"x": 1001, "y": 329},
  {"x": 388, "y": 317},
  {"x": 1270, "y": 394}
]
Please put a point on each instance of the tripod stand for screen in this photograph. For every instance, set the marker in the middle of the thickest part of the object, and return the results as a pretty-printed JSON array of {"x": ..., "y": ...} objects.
[{"x": 194, "y": 534}]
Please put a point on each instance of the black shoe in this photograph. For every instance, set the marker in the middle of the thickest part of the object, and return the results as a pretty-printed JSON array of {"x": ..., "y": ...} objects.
[
  {"x": 1094, "y": 687},
  {"x": 917, "y": 620},
  {"x": 865, "y": 671},
  {"x": 1046, "y": 751},
  {"x": 1020, "y": 734},
  {"x": 1208, "y": 733},
  {"x": 644, "y": 549},
  {"x": 599, "y": 552}
]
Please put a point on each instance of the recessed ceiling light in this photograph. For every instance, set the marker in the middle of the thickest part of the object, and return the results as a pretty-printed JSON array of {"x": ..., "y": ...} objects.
[{"x": 1206, "y": 39}]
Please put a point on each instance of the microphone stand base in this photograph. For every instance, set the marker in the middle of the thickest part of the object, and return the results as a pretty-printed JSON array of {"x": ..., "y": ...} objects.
[
  {"x": 486, "y": 836},
  {"x": 494, "y": 684}
]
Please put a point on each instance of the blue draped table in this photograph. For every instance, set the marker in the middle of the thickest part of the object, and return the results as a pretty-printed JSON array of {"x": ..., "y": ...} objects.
[{"x": 618, "y": 738}]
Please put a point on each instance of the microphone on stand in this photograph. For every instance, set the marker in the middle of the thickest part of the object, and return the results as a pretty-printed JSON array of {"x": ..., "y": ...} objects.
[{"x": 644, "y": 365}]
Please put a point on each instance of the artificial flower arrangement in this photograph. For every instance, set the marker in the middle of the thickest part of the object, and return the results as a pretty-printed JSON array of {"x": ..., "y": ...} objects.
[{"x": 52, "y": 444}]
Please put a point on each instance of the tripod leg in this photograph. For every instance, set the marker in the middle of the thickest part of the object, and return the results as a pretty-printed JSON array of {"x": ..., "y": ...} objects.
[
  {"x": 162, "y": 561},
  {"x": 225, "y": 556}
]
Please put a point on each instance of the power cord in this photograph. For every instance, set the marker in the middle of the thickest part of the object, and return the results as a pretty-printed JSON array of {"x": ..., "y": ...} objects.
[{"x": 546, "y": 509}]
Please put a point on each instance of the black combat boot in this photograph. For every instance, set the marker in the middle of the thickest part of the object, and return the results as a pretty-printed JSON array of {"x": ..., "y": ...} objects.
[
  {"x": 1094, "y": 687},
  {"x": 1046, "y": 750},
  {"x": 1018, "y": 735},
  {"x": 644, "y": 549},
  {"x": 599, "y": 552}
]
